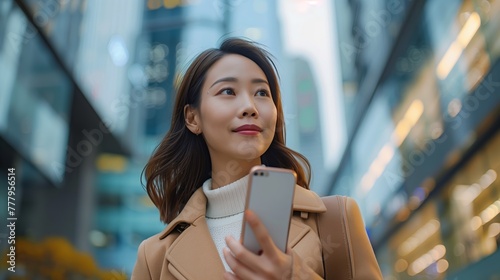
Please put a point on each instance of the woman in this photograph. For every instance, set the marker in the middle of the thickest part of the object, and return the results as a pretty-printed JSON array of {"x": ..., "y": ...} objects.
[{"x": 227, "y": 118}]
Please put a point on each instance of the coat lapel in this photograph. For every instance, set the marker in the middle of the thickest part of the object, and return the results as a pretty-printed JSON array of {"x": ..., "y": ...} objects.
[
  {"x": 307, "y": 201},
  {"x": 194, "y": 247}
]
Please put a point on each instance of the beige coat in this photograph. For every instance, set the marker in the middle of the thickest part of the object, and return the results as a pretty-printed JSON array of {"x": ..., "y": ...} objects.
[{"x": 185, "y": 249}]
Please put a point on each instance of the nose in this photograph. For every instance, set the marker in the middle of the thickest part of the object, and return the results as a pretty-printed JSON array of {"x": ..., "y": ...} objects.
[
  {"x": 248, "y": 108},
  {"x": 252, "y": 114}
]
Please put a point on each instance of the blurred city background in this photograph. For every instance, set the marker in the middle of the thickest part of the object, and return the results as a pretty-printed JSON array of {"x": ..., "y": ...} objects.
[{"x": 395, "y": 103}]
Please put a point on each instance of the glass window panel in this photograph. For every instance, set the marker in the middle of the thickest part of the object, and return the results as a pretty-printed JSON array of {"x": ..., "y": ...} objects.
[
  {"x": 35, "y": 95},
  {"x": 362, "y": 27},
  {"x": 461, "y": 57},
  {"x": 61, "y": 21},
  {"x": 414, "y": 105},
  {"x": 105, "y": 51},
  {"x": 97, "y": 46}
]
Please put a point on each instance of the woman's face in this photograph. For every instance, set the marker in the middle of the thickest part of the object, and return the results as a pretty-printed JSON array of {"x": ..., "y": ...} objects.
[{"x": 237, "y": 115}]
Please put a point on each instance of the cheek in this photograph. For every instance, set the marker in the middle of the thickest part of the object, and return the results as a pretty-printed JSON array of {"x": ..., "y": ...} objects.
[
  {"x": 213, "y": 114},
  {"x": 274, "y": 120},
  {"x": 272, "y": 115}
]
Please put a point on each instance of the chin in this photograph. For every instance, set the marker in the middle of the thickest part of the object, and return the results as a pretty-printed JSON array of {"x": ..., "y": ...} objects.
[{"x": 249, "y": 156}]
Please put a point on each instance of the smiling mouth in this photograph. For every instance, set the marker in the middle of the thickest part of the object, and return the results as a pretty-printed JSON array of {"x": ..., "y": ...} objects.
[
  {"x": 248, "y": 132},
  {"x": 248, "y": 129}
]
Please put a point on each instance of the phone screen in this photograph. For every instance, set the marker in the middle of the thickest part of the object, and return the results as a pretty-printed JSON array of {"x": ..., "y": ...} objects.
[{"x": 270, "y": 197}]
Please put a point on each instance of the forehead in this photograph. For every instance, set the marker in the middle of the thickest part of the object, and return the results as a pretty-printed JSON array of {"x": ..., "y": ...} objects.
[{"x": 235, "y": 65}]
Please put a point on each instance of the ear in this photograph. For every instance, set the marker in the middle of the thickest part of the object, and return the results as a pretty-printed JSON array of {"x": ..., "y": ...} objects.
[{"x": 192, "y": 119}]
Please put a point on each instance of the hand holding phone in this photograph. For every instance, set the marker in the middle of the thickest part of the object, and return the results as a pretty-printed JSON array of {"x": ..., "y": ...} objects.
[{"x": 270, "y": 196}]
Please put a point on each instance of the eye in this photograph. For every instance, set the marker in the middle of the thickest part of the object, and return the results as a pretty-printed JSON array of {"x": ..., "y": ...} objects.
[
  {"x": 262, "y": 92},
  {"x": 227, "y": 91}
]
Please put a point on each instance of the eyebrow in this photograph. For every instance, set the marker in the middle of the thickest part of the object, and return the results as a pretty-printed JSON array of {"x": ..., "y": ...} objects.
[{"x": 232, "y": 79}]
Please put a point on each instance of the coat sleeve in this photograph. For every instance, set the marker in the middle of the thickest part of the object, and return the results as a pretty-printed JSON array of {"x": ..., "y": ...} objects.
[
  {"x": 349, "y": 254},
  {"x": 300, "y": 269},
  {"x": 141, "y": 269},
  {"x": 364, "y": 263}
]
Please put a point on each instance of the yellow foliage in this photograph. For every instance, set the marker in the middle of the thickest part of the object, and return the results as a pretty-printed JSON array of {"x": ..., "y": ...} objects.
[{"x": 56, "y": 259}]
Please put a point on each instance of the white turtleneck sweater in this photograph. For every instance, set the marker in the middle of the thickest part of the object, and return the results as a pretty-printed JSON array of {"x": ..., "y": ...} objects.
[{"x": 225, "y": 207}]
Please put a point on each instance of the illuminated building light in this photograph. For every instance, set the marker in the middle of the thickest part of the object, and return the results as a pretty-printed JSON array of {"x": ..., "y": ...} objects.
[
  {"x": 403, "y": 128},
  {"x": 475, "y": 189},
  {"x": 111, "y": 163},
  {"x": 386, "y": 154},
  {"x": 488, "y": 178},
  {"x": 170, "y": 4},
  {"x": 471, "y": 192},
  {"x": 377, "y": 167},
  {"x": 494, "y": 230},
  {"x": 490, "y": 212},
  {"x": 424, "y": 261},
  {"x": 401, "y": 131},
  {"x": 409, "y": 120},
  {"x": 454, "y": 107},
  {"x": 118, "y": 51},
  {"x": 400, "y": 265},
  {"x": 442, "y": 265},
  {"x": 475, "y": 223},
  {"x": 367, "y": 182},
  {"x": 449, "y": 60},
  {"x": 437, "y": 131},
  {"x": 469, "y": 30},
  {"x": 486, "y": 215},
  {"x": 414, "y": 112},
  {"x": 440, "y": 251},
  {"x": 456, "y": 48},
  {"x": 415, "y": 240}
]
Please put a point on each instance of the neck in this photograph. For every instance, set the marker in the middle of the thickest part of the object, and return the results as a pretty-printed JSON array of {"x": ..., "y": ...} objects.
[{"x": 225, "y": 172}]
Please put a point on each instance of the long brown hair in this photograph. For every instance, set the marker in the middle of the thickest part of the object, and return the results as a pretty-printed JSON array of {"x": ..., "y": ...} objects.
[{"x": 181, "y": 162}]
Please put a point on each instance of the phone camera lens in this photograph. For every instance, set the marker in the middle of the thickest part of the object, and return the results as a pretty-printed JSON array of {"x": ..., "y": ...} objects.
[
  {"x": 255, "y": 173},
  {"x": 261, "y": 174}
]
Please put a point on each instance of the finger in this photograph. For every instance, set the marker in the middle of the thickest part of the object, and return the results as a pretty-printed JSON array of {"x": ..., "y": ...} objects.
[
  {"x": 229, "y": 276},
  {"x": 239, "y": 269},
  {"x": 261, "y": 233},
  {"x": 241, "y": 253}
]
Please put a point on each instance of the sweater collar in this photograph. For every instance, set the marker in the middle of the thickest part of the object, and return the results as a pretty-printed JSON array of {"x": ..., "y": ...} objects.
[{"x": 227, "y": 200}]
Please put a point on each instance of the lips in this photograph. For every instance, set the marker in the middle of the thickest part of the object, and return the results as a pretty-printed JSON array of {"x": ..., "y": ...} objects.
[{"x": 248, "y": 127}]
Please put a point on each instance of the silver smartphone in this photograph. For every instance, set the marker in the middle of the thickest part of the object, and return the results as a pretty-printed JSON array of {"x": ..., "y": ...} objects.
[{"x": 270, "y": 196}]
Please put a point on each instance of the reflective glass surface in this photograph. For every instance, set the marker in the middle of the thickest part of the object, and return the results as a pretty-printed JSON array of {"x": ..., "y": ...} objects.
[
  {"x": 427, "y": 93},
  {"x": 438, "y": 98},
  {"x": 365, "y": 28},
  {"x": 454, "y": 230},
  {"x": 35, "y": 96},
  {"x": 97, "y": 46}
]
